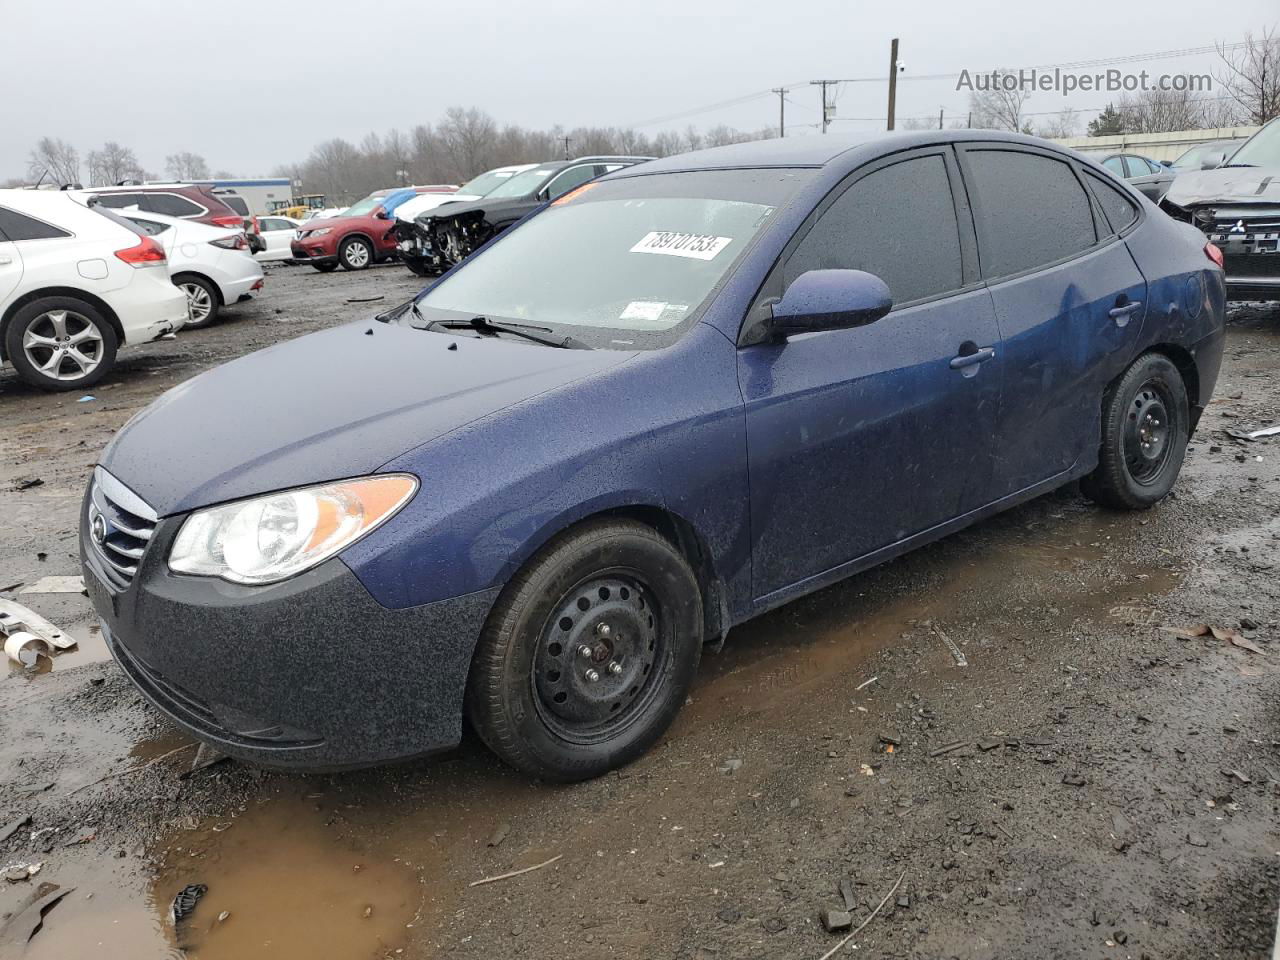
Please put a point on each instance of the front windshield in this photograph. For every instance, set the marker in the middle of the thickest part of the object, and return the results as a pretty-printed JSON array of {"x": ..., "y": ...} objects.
[
  {"x": 1192, "y": 158},
  {"x": 367, "y": 205},
  {"x": 1260, "y": 150},
  {"x": 482, "y": 185},
  {"x": 620, "y": 264},
  {"x": 522, "y": 184}
]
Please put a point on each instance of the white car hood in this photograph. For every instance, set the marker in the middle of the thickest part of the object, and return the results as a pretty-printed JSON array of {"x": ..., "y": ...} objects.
[
  {"x": 410, "y": 209},
  {"x": 1226, "y": 185}
]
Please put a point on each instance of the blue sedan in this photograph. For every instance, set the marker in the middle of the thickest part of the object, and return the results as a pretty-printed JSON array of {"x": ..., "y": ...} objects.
[{"x": 669, "y": 401}]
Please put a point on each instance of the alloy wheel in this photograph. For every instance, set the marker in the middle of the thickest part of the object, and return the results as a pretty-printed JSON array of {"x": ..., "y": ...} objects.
[
  {"x": 199, "y": 302},
  {"x": 357, "y": 254},
  {"x": 63, "y": 345}
]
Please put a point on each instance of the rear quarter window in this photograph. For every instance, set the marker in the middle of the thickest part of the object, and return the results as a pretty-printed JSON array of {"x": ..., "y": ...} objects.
[
  {"x": 1120, "y": 211},
  {"x": 172, "y": 205},
  {"x": 235, "y": 203},
  {"x": 1031, "y": 211},
  {"x": 19, "y": 226}
]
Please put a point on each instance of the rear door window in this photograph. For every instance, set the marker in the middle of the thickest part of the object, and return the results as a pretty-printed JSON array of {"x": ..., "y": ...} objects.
[
  {"x": 897, "y": 222},
  {"x": 1030, "y": 210},
  {"x": 1115, "y": 165},
  {"x": 19, "y": 226},
  {"x": 172, "y": 205},
  {"x": 118, "y": 201},
  {"x": 1116, "y": 205}
]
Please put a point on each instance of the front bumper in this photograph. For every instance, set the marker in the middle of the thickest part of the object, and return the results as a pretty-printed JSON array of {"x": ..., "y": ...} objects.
[
  {"x": 308, "y": 674},
  {"x": 317, "y": 252}
]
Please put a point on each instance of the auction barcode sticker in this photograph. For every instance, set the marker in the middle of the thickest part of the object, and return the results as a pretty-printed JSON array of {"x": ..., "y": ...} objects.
[{"x": 696, "y": 246}]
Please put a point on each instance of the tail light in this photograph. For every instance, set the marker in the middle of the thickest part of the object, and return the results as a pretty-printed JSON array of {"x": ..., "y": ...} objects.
[
  {"x": 147, "y": 253},
  {"x": 238, "y": 242},
  {"x": 256, "y": 227},
  {"x": 1214, "y": 253},
  {"x": 236, "y": 221}
]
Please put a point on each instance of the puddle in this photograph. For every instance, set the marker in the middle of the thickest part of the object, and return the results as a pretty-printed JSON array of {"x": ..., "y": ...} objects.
[{"x": 293, "y": 880}]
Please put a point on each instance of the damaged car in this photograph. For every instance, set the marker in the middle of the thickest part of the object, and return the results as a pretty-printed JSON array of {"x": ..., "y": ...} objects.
[
  {"x": 674, "y": 399},
  {"x": 442, "y": 238},
  {"x": 1237, "y": 206}
]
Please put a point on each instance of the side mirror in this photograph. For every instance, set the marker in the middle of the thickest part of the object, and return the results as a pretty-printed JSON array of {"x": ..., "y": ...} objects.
[
  {"x": 1213, "y": 160},
  {"x": 830, "y": 300},
  {"x": 381, "y": 214}
]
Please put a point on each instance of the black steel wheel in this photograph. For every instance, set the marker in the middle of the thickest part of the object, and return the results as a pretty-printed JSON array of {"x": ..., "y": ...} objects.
[
  {"x": 1146, "y": 423},
  {"x": 588, "y": 653}
]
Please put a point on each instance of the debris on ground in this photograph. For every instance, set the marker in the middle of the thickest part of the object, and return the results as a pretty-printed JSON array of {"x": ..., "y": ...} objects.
[
  {"x": 13, "y": 827},
  {"x": 26, "y": 483},
  {"x": 516, "y": 873},
  {"x": 19, "y": 872},
  {"x": 28, "y": 918},
  {"x": 56, "y": 585},
  {"x": 499, "y": 834},
  {"x": 834, "y": 920},
  {"x": 949, "y": 748},
  {"x": 184, "y": 904},
  {"x": 206, "y": 756},
  {"x": 732, "y": 765},
  {"x": 366, "y": 299}
]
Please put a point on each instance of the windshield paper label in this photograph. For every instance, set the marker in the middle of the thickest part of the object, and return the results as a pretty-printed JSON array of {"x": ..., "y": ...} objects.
[{"x": 695, "y": 246}]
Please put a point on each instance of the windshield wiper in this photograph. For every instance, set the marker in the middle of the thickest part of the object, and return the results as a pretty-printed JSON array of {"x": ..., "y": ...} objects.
[
  {"x": 1225, "y": 165},
  {"x": 396, "y": 312},
  {"x": 483, "y": 325}
]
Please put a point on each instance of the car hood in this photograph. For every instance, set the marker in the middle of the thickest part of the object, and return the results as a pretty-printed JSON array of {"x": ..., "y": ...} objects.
[
  {"x": 1226, "y": 185},
  {"x": 406, "y": 211},
  {"x": 492, "y": 209},
  {"x": 335, "y": 404}
]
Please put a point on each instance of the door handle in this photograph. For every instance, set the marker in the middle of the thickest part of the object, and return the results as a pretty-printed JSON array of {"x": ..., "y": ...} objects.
[
  {"x": 5, "y": 261},
  {"x": 1125, "y": 310},
  {"x": 981, "y": 355}
]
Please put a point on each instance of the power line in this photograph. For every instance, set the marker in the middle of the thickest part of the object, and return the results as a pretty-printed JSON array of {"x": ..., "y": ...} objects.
[{"x": 1076, "y": 64}]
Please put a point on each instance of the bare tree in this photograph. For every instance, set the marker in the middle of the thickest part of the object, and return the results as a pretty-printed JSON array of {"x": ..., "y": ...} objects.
[
  {"x": 917, "y": 123},
  {"x": 1251, "y": 76},
  {"x": 333, "y": 169},
  {"x": 113, "y": 163},
  {"x": 467, "y": 138},
  {"x": 186, "y": 166},
  {"x": 54, "y": 160},
  {"x": 1160, "y": 111},
  {"x": 996, "y": 101},
  {"x": 1065, "y": 123}
]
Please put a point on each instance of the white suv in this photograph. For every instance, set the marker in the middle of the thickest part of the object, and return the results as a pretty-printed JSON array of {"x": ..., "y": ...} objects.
[{"x": 76, "y": 284}]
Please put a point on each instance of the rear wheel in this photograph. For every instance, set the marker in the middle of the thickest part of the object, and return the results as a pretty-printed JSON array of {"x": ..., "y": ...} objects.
[
  {"x": 325, "y": 267},
  {"x": 588, "y": 654},
  {"x": 60, "y": 343},
  {"x": 1146, "y": 423},
  {"x": 203, "y": 301},
  {"x": 356, "y": 253}
]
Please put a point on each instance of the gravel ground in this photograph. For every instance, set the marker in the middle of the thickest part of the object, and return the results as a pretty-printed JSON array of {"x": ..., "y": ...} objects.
[{"x": 1089, "y": 784}]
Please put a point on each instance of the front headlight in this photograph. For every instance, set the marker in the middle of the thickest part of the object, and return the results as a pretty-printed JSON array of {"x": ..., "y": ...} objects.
[
  {"x": 271, "y": 538},
  {"x": 319, "y": 233}
]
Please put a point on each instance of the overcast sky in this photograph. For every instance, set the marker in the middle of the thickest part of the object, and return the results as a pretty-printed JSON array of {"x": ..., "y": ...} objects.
[{"x": 250, "y": 85}]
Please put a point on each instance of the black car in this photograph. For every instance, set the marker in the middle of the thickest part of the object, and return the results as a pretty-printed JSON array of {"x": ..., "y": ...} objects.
[
  {"x": 1146, "y": 176},
  {"x": 447, "y": 235}
]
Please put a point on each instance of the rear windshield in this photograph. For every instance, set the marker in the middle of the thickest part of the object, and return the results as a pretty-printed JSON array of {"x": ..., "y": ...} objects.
[
  {"x": 367, "y": 205},
  {"x": 620, "y": 264},
  {"x": 486, "y": 182}
]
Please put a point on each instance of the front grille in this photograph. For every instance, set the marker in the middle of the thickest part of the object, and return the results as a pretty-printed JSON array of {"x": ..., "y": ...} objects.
[{"x": 120, "y": 526}]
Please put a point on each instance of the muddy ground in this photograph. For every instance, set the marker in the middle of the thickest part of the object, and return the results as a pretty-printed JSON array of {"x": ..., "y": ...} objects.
[{"x": 1088, "y": 785}]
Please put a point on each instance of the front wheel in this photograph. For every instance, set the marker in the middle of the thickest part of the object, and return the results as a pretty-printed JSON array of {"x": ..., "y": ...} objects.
[
  {"x": 326, "y": 267},
  {"x": 1146, "y": 423},
  {"x": 588, "y": 654},
  {"x": 60, "y": 343},
  {"x": 417, "y": 266},
  {"x": 355, "y": 253}
]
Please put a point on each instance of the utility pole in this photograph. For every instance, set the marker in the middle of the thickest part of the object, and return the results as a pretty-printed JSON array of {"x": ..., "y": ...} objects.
[
  {"x": 826, "y": 110},
  {"x": 567, "y": 141},
  {"x": 940, "y": 118},
  {"x": 893, "y": 79},
  {"x": 782, "y": 110}
]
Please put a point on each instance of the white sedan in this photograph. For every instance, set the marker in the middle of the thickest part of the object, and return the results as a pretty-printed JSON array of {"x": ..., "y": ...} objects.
[
  {"x": 211, "y": 265},
  {"x": 76, "y": 284},
  {"x": 277, "y": 233}
]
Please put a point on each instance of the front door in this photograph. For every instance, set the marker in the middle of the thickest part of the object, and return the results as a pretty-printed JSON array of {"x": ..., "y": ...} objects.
[{"x": 859, "y": 438}]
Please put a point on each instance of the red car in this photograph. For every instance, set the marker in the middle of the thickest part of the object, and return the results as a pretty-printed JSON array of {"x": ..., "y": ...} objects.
[
  {"x": 186, "y": 201},
  {"x": 362, "y": 235}
]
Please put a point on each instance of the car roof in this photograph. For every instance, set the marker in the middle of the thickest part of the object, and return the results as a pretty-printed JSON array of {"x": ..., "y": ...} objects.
[
  {"x": 818, "y": 150},
  {"x": 31, "y": 201},
  {"x": 134, "y": 188}
]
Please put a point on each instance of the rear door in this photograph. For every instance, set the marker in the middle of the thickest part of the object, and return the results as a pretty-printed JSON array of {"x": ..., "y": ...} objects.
[
  {"x": 1070, "y": 302},
  {"x": 10, "y": 260},
  {"x": 859, "y": 438},
  {"x": 1146, "y": 178}
]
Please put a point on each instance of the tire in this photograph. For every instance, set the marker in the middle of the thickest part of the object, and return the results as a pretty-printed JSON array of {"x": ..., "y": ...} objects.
[
  {"x": 417, "y": 267},
  {"x": 203, "y": 300},
  {"x": 326, "y": 267},
  {"x": 39, "y": 330},
  {"x": 355, "y": 253},
  {"x": 1146, "y": 423},
  {"x": 626, "y": 595}
]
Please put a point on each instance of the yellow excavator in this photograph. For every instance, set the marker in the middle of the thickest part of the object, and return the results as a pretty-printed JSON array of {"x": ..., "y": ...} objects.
[{"x": 297, "y": 207}]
